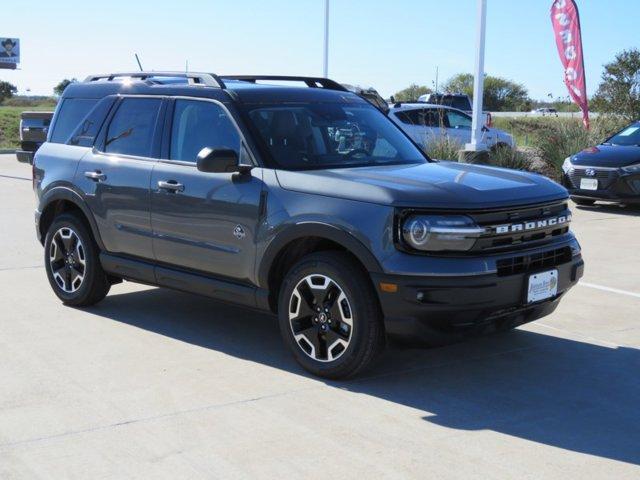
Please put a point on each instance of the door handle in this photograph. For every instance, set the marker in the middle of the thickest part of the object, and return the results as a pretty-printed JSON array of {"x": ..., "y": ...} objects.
[
  {"x": 96, "y": 176},
  {"x": 170, "y": 185}
]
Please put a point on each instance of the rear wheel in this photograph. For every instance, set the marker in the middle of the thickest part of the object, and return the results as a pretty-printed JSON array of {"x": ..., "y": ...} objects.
[
  {"x": 585, "y": 202},
  {"x": 329, "y": 315},
  {"x": 72, "y": 263}
]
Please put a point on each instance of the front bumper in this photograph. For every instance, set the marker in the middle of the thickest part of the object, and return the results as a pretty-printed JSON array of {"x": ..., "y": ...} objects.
[
  {"x": 426, "y": 307},
  {"x": 613, "y": 185}
]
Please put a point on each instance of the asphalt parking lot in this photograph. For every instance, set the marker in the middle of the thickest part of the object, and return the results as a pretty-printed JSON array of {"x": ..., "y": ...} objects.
[{"x": 152, "y": 383}]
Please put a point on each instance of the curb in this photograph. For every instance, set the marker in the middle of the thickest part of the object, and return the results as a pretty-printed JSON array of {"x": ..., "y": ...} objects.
[{"x": 5, "y": 151}]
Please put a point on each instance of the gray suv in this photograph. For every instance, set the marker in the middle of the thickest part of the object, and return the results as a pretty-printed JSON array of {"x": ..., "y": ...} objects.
[{"x": 305, "y": 202}]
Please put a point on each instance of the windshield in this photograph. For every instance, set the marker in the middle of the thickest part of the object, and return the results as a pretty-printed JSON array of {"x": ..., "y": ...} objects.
[
  {"x": 331, "y": 135},
  {"x": 628, "y": 136}
]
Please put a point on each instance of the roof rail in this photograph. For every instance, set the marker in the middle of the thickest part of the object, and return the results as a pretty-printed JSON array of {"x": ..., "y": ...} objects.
[
  {"x": 311, "y": 82},
  {"x": 193, "y": 78}
]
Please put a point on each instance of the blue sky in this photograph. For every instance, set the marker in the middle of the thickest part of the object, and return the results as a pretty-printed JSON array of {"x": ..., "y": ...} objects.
[{"x": 385, "y": 44}]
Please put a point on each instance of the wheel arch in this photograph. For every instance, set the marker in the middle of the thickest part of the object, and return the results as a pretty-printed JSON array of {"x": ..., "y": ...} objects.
[
  {"x": 296, "y": 242},
  {"x": 60, "y": 200}
]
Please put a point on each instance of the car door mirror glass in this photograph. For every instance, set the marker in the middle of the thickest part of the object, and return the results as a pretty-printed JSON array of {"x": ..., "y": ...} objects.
[{"x": 218, "y": 160}]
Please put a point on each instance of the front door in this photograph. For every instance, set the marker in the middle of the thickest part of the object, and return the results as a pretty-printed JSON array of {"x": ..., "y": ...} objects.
[
  {"x": 115, "y": 177},
  {"x": 459, "y": 126},
  {"x": 204, "y": 221}
]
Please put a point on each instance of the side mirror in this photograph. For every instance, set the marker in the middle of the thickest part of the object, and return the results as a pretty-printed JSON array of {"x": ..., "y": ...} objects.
[{"x": 218, "y": 160}]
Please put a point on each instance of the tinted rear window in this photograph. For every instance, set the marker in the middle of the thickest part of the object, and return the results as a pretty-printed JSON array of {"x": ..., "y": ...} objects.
[
  {"x": 35, "y": 122},
  {"x": 71, "y": 113},
  {"x": 131, "y": 129}
]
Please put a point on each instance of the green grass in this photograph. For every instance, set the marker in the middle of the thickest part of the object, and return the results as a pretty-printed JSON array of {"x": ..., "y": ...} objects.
[{"x": 10, "y": 122}]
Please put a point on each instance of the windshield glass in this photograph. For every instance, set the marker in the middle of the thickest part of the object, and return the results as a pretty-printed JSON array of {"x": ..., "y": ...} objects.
[
  {"x": 628, "y": 136},
  {"x": 331, "y": 135}
]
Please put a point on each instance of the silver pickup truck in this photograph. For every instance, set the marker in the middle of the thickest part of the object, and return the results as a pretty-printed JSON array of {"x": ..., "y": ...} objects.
[{"x": 34, "y": 127}]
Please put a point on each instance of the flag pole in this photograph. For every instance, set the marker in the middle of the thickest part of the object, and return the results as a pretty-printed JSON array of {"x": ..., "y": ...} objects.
[
  {"x": 325, "y": 70},
  {"x": 478, "y": 82}
]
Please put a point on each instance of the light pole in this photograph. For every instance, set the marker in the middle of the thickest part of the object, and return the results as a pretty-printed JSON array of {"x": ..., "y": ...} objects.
[
  {"x": 477, "y": 143},
  {"x": 325, "y": 70}
]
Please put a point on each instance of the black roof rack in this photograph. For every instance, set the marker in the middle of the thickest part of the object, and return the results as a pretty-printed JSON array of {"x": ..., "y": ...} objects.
[
  {"x": 311, "y": 82},
  {"x": 193, "y": 78}
]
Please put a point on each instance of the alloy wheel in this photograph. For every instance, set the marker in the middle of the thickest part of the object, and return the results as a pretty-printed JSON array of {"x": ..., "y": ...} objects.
[
  {"x": 67, "y": 259},
  {"x": 321, "y": 318}
]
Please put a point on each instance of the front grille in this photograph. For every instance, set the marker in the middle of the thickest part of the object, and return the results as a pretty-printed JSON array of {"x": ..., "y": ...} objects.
[
  {"x": 531, "y": 263},
  {"x": 605, "y": 177},
  {"x": 494, "y": 241}
]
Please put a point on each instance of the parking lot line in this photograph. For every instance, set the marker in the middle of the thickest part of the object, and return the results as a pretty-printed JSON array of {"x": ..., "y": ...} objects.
[
  {"x": 609, "y": 289},
  {"x": 12, "y": 177}
]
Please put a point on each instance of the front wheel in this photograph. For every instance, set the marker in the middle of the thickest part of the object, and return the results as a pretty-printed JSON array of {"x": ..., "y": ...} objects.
[
  {"x": 329, "y": 315},
  {"x": 72, "y": 263}
]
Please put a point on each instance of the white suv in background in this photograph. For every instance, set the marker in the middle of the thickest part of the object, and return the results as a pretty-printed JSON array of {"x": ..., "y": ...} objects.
[{"x": 425, "y": 122}]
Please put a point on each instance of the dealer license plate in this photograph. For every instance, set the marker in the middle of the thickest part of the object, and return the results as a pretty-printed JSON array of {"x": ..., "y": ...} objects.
[
  {"x": 542, "y": 286},
  {"x": 588, "y": 184}
]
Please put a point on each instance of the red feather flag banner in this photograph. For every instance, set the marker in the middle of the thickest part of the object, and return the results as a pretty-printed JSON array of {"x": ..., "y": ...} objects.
[{"x": 566, "y": 27}]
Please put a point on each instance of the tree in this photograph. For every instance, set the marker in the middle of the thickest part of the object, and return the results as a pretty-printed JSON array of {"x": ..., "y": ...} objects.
[
  {"x": 619, "y": 90},
  {"x": 60, "y": 88},
  {"x": 461, "y": 83},
  {"x": 499, "y": 94},
  {"x": 7, "y": 90},
  {"x": 411, "y": 93}
]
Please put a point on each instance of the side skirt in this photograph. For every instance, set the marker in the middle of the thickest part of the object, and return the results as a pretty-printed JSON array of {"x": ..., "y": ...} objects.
[{"x": 148, "y": 273}]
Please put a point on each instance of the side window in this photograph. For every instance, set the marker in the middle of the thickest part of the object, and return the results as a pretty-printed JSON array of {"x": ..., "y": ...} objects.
[
  {"x": 458, "y": 120},
  {"x": 434, "y": 118},
  {"x": 85, "y": 134},
  {"x": 423, "y": 117},
  {"x": 199, "y": 124},
  {"x": 71, "y": 113},
  {"x": 403, "y": 117},
  {"x": 131, "y": 129}
]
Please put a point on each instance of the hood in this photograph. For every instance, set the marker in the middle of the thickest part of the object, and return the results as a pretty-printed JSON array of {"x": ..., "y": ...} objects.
[
  {"x": 615, "y": 156},
  {"x": 427, "y": 185}
]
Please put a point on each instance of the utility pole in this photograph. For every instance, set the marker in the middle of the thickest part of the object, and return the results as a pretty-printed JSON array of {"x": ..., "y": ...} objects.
[
  {"x": 477, "y": 144},
  {"x": 325, "y": 71}
]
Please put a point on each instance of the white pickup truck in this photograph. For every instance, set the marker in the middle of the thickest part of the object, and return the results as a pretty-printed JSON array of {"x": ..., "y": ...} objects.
[{"x": 425, "y": 122}]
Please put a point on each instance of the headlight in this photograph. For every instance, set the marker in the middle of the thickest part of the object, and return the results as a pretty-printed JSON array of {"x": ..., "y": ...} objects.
[
  {"x": 632, "y": 168},
  {"x": 567, "y": 165},
  {"x": 438, "y": 233}
]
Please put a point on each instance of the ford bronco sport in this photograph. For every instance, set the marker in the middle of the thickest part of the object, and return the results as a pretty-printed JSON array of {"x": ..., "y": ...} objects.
[{"x": 306, "y": 202}]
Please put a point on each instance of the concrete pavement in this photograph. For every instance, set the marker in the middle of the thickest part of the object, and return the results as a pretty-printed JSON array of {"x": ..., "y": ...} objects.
[{"x": 152, "y": 383}]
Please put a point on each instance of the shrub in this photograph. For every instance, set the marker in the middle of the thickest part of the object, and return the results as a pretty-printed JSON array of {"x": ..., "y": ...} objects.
[
  {"x": 507, "y": 157},
  {"x": 554, "y": 139},
  {"x": 441, "y": 147}
]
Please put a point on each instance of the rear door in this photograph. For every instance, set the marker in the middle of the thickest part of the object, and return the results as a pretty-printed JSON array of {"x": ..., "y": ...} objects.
[
  {"x": 204, "y": 221},
  {"x": 116, "y": 174}
]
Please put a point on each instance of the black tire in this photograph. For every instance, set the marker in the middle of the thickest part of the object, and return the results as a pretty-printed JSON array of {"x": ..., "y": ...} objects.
[
  {"x": 365, "y": 337},
  {"x": 585, "y": 202},
  {"x": 94, "y": 284}
]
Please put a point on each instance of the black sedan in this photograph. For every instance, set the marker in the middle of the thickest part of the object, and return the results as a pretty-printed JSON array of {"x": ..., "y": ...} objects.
[{"x": 608, "y": 172}]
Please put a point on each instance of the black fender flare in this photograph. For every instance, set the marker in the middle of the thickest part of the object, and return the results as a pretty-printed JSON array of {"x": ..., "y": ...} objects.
[
  {"x": 315, "y": 229},
  {"x": 70, "y": 195}
]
